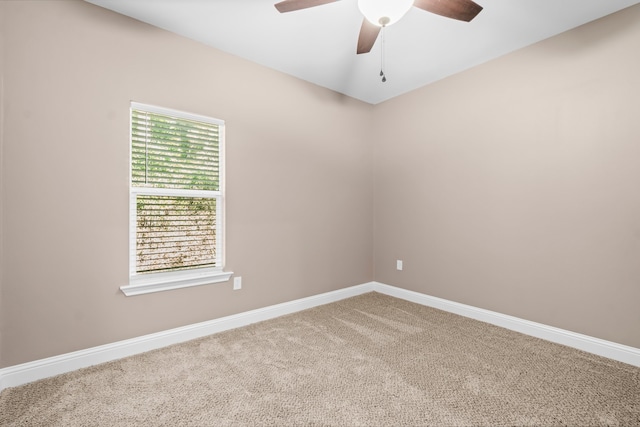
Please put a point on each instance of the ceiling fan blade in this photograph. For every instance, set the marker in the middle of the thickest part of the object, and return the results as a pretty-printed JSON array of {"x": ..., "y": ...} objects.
[
  {"x": 291, "y": 5},
  {"x": 367, "y": 37},
  {"x": 462, "y": 10}
]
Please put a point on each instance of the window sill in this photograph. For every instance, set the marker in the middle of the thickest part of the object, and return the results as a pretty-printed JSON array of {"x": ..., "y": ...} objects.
[{"x": 158, "y": 282}]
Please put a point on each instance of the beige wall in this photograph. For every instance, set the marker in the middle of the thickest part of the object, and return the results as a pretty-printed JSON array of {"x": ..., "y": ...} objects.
[
  {"x": 2, "y": 15},
  {"x": 298, "y": 178},
  {"x": 515, "y": 186},
  {"x": 512, "y": 186}
]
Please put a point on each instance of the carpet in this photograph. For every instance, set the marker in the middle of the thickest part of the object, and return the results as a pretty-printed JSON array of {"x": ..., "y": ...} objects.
[{"x": 370, "y": 360}]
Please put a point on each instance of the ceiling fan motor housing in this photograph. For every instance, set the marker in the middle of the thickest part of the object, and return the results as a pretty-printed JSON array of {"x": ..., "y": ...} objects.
[{"x": 384, "y": 12}]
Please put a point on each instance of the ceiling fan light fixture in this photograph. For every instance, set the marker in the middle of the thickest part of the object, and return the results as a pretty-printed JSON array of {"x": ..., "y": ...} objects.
[{"x": 384, "y": 12}]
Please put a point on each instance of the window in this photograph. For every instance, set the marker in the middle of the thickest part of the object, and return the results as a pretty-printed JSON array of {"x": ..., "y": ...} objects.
[{"x": 176, "y": 200}]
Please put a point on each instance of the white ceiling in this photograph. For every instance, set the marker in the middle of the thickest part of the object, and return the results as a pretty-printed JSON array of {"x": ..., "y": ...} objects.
[{"x": 319, "y": 44}]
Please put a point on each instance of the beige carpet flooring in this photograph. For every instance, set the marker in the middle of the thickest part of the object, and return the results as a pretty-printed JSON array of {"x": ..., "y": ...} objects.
[{"x": 370, "y": 360}]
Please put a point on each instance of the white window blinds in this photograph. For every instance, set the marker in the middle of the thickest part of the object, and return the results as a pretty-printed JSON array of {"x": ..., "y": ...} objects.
[
  {"x": 169, "y": 152},
  {"x": 175, "y": 183},
  {"x": 175, "y": 232}
]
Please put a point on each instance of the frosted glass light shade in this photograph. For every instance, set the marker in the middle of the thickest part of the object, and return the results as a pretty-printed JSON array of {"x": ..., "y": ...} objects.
[{"x": 384, "y": 12}]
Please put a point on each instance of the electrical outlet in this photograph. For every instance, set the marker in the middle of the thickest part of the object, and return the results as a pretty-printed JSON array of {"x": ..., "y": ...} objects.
[
  {"x": 399, "y": 265},
  {"x": 237, "y": 283}
]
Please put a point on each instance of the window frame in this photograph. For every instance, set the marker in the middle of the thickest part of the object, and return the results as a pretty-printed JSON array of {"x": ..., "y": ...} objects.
[{"x": 143, "y": 283}]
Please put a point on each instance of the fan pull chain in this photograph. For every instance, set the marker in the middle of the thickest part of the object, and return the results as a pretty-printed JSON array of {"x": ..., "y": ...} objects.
[{"x": 384, "y": 78}]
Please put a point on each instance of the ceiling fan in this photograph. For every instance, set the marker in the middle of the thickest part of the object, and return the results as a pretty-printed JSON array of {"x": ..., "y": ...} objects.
[{"x": 382, "y": 13}]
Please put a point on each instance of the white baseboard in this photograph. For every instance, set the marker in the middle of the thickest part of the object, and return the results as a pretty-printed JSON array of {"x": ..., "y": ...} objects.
[
  {"x": 32, "y": 371},
  {"x": 611, "y": 350}
]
